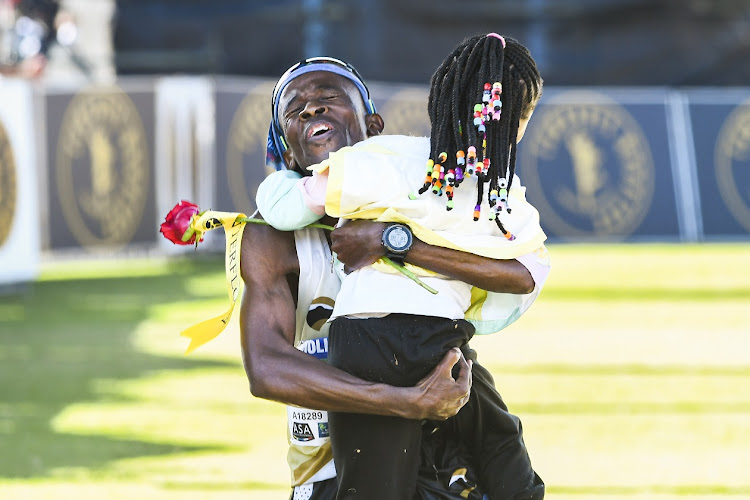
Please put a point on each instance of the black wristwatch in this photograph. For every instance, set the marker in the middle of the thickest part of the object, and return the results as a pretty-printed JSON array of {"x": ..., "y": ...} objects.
[{"x": 397, "y": 240}]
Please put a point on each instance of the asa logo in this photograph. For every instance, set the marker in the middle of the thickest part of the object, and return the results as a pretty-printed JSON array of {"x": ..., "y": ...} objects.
[
  {"x": 7, "y": 186},
  {"x": 102, "y": 167},
  {"x": 320, "y": 311},
  {"x": 588, "y": 167},
  {"x": 302, "y": 432},
  {"x": 732, "y": 163}
]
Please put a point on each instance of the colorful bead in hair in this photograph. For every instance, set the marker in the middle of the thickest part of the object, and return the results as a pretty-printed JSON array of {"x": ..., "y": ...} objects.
[
  {"x": 460, "y": 157},
  {"x": 502, "y": 184},
  {"x": 428, "y": 178},
  {"x": 471, "y": 161},
  {"x": 438, "y": 175},
  {"x": 486, "y": 95},
  {"x": 459, "y": 171},
  {"x": 449, "y": 194},
  {"x": 450, "y": 179},
  {"x": 497, "y": 104},
  {"x": 502, "y": 195}
]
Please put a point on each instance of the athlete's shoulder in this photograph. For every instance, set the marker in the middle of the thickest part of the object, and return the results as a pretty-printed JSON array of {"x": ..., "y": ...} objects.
[{"x": 267, "y": 253}]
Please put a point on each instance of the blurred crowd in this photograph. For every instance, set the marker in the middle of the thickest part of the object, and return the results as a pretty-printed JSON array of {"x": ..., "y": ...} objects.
[{"x": 27, "y": 30}]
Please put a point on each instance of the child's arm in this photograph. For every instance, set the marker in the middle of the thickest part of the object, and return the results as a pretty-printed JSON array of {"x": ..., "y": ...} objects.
[{"x": 288, "y": 201}]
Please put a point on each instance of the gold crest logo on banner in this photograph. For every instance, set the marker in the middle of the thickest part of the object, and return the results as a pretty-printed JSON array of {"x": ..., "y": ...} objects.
[
  {"x": 7, "y": 186},
  {"x": 588, "y": 167},
  {"x": 732, "y": 156},
  {"x": 405, "y": 113},
  {"x": 246, "y": 146},
  {"x": 102, "y": 167}
]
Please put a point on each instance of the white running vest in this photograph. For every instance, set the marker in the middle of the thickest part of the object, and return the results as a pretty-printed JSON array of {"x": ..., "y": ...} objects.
[{"x": 310, "y": 457}]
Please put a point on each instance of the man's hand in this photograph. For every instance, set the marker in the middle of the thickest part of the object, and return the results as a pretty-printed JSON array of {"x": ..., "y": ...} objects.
[
  {"x": 440, "y": 396},
  {"x": 358, "y": 243}
]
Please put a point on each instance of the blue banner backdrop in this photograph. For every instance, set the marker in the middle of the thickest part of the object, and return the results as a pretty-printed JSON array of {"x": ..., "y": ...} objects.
[
  {"x": 100, "y": 167},
  {"x": 243, "y": 112},
  {"x": 596, "y": 164},
  {"x": 600, "y": 164},
  {"x": 721, "y": 133}
]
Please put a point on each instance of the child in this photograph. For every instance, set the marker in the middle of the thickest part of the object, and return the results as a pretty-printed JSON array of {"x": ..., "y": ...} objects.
[{"x": 387, "y": 329}]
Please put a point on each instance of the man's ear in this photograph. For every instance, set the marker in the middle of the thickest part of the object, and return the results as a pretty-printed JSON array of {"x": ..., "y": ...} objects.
[{"x": 375, "y": 124}]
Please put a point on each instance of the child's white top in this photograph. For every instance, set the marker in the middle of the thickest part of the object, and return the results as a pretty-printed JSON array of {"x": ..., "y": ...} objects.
[{"x": 373, "y": 179}]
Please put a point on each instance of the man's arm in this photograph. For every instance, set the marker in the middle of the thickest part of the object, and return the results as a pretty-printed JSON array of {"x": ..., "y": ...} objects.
[
  {"x": 280, "y": 372},
  {"x": 358, "y": 244}
]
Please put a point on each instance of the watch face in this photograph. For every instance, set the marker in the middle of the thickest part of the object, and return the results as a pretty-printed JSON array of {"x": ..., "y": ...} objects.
[{"x": 398, "y": 239}]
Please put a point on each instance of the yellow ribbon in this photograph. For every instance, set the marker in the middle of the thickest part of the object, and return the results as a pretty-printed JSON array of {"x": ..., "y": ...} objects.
[{"x": 207, "y": 330}]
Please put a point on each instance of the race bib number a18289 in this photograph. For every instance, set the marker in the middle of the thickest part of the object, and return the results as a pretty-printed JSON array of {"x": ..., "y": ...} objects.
[{"x": 307, "y": 427}]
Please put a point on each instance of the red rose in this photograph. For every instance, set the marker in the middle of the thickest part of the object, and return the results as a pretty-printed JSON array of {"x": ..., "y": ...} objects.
[{"x": 178, "y": 221}]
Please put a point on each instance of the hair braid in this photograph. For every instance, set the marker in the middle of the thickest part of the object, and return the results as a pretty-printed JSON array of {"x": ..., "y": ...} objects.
[
  {"x": 456, "y": 101},
  {"x": 472, "y": 80}
]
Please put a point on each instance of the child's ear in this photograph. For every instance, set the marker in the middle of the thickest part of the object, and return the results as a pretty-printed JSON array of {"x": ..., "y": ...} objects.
[
  {"x": 375, "y": 124},
  {"x": 522, "y": 124}
]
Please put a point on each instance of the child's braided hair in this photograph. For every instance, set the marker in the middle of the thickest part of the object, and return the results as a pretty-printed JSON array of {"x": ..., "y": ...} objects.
[{"x": 478, "y": 95}]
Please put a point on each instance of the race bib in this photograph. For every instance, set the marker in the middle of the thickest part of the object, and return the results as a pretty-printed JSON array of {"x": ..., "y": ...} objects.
[{"x": 307, "y": 427}]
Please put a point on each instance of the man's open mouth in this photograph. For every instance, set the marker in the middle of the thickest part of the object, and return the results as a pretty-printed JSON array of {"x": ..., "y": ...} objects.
[{"x": 318, "y": 130}]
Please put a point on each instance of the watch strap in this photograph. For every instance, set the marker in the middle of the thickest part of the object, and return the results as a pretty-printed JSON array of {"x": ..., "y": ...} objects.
[{"x": 398, "y": 258}]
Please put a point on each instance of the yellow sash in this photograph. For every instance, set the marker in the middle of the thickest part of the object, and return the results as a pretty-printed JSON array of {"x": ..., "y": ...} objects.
[{"x": 207, "y": 330}]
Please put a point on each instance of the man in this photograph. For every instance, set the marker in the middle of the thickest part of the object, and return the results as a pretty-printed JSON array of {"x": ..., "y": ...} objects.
[{"x": 321, "y": 107}]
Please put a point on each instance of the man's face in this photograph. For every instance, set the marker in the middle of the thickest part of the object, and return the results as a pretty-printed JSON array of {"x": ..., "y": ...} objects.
[{"x": 320, "y": 112}]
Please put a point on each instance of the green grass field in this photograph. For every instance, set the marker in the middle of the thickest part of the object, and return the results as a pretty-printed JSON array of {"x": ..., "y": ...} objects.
[{"x": 631, "y": 374}]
